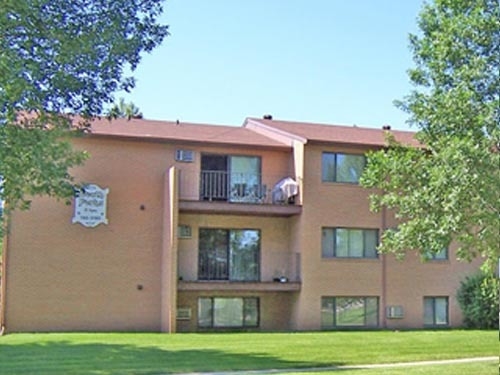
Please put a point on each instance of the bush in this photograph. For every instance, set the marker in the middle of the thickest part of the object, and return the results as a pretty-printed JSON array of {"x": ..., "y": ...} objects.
[{"x": 478, "y": 299}]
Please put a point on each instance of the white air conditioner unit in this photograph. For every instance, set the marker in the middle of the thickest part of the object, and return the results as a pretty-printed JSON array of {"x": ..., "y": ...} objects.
[
  {"x": 186, "y": 156},
  {"x": 184, "y": 313},
  {"x": 184, "y": 231},
  {"x": 394, "y": 312}
]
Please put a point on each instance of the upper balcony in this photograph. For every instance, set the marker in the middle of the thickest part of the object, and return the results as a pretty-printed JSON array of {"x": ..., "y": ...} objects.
[{"x": 223, "y": 192}]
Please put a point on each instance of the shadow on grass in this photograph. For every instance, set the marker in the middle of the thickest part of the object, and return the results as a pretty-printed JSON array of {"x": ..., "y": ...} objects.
[{"x": 62, "y": 357}]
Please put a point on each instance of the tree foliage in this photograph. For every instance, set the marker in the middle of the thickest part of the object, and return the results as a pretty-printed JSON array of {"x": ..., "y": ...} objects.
[
  {"x": 59, "y": 58},
  {"x": 449, "y": 189},
  {"x": 58, "y": 55},
  {"x": 123, "y": 109},
  {"x": 478, "y": 299}
]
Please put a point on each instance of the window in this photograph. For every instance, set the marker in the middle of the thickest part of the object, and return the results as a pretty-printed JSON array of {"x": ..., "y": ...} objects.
[
  {"x": 338, "y": 167},
  {"x": 349, "y": 243},
  {"x": 442, "y": 255},
  {"x": 228, "y": 312},
  {"x": 349, "y": 312},
  {"x": 229, "y": 254},
  {"x": 436, "y": 311}
]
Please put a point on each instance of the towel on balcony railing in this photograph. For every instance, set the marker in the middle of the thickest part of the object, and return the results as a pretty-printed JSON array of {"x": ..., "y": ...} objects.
[{"x": 285, "y": 191}]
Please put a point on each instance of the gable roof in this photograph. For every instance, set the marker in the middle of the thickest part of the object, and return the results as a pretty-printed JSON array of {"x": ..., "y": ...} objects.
[
  {"x": 255, "y": 132},
  {"x": 172, "y": 131},
  {"x": 335, "y": 133}
]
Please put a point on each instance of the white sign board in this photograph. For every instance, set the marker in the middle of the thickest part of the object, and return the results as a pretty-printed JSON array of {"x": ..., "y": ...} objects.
[{"x": 90, "y": 206}]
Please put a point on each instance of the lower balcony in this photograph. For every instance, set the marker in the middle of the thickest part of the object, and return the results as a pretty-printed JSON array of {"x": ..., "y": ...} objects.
[
  {"x": 239, "y": 269},
  {"x": 239, "y": 286}
]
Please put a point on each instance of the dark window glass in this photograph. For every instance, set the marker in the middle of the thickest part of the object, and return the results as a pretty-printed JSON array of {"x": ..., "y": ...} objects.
[
  {"x": 338, "y": 167},
  {"x": 349, "y": 312},
  {"x": 442, "y": 255},
  {"x": 229, "y": 254},
  {"x": 213, "y": 254},
  {"x": 349, "y": 243},
  {"x": 231, "y": 312},
  {"x": 244, "y": 253},
  {"x": 436, "y": 311}
]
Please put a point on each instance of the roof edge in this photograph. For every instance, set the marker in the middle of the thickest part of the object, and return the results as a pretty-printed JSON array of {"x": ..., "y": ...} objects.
[
  {"x": 273, "y": 133},
  {"x": 177, "y": 141}
]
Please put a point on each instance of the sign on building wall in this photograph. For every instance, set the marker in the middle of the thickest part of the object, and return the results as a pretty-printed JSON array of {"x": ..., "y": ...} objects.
[{"x": 90, "y": 206}]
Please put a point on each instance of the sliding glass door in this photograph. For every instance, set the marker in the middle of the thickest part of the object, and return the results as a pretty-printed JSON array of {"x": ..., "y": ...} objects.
[
  {"x": 244, "y": 177},
  {"x": 230, "y": 178},
  {"x": 229, "y": 254}
]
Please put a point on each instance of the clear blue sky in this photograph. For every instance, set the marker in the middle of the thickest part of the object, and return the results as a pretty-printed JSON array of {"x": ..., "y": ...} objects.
[{"x": 327, "y": 61}]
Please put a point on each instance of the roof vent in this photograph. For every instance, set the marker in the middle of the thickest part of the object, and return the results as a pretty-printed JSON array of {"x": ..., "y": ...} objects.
[
  {"x": 386, "y": 127},
  {"x": 267, "y": 117}
]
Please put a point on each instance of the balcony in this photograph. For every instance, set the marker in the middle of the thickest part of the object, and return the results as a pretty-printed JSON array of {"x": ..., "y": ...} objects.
[
  {"x": 221, "y": 192},
  {"x": 234, "y": 286},
  {"x": 278, "y": 272}
]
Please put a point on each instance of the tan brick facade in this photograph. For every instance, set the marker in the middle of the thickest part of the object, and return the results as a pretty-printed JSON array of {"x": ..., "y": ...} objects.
[{"x": 134, "y": 273}]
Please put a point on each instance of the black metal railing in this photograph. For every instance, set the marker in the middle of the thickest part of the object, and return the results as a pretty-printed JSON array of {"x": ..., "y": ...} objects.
[
  {"x": 214, "y": 185},
  {"x": 232, "y": 187}
]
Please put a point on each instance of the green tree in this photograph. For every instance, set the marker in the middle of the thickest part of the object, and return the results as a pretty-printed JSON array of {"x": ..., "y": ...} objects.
[
  {"x": 478, "y": 299},
  {"x": 448, "y": 189},
  {"x": 124, "y": 110},
  {"x": 59, "y": 58}
]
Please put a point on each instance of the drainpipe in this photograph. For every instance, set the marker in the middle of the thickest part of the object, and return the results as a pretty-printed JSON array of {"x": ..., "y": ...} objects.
[
  {"x": 3, "y": 291},
  {"x": 384, "y": 272}
]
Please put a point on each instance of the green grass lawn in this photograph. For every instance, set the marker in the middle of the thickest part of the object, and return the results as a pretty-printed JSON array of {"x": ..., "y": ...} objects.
[{"x": 152, "y": 353}]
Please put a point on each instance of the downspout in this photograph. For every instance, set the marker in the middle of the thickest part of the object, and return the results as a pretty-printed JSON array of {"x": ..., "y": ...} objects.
[
  {"x": 3, "y": 291},
  {"x": 384, "y": 272}
]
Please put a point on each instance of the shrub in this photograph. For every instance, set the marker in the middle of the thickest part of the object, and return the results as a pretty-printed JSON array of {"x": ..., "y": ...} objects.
[{"x": 478, "y": 299}]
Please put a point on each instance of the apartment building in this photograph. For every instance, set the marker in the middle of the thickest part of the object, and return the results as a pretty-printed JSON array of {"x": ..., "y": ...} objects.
[{"x": 188, "y": 227}]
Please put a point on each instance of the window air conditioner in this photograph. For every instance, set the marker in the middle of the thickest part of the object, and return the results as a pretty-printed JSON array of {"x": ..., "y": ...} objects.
[
  {"x": 184, "y": 231},
  {"x": 186, "y": 156},
  {"x": 394, "y": 312},
  {"x": 184, "y": 313}
]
